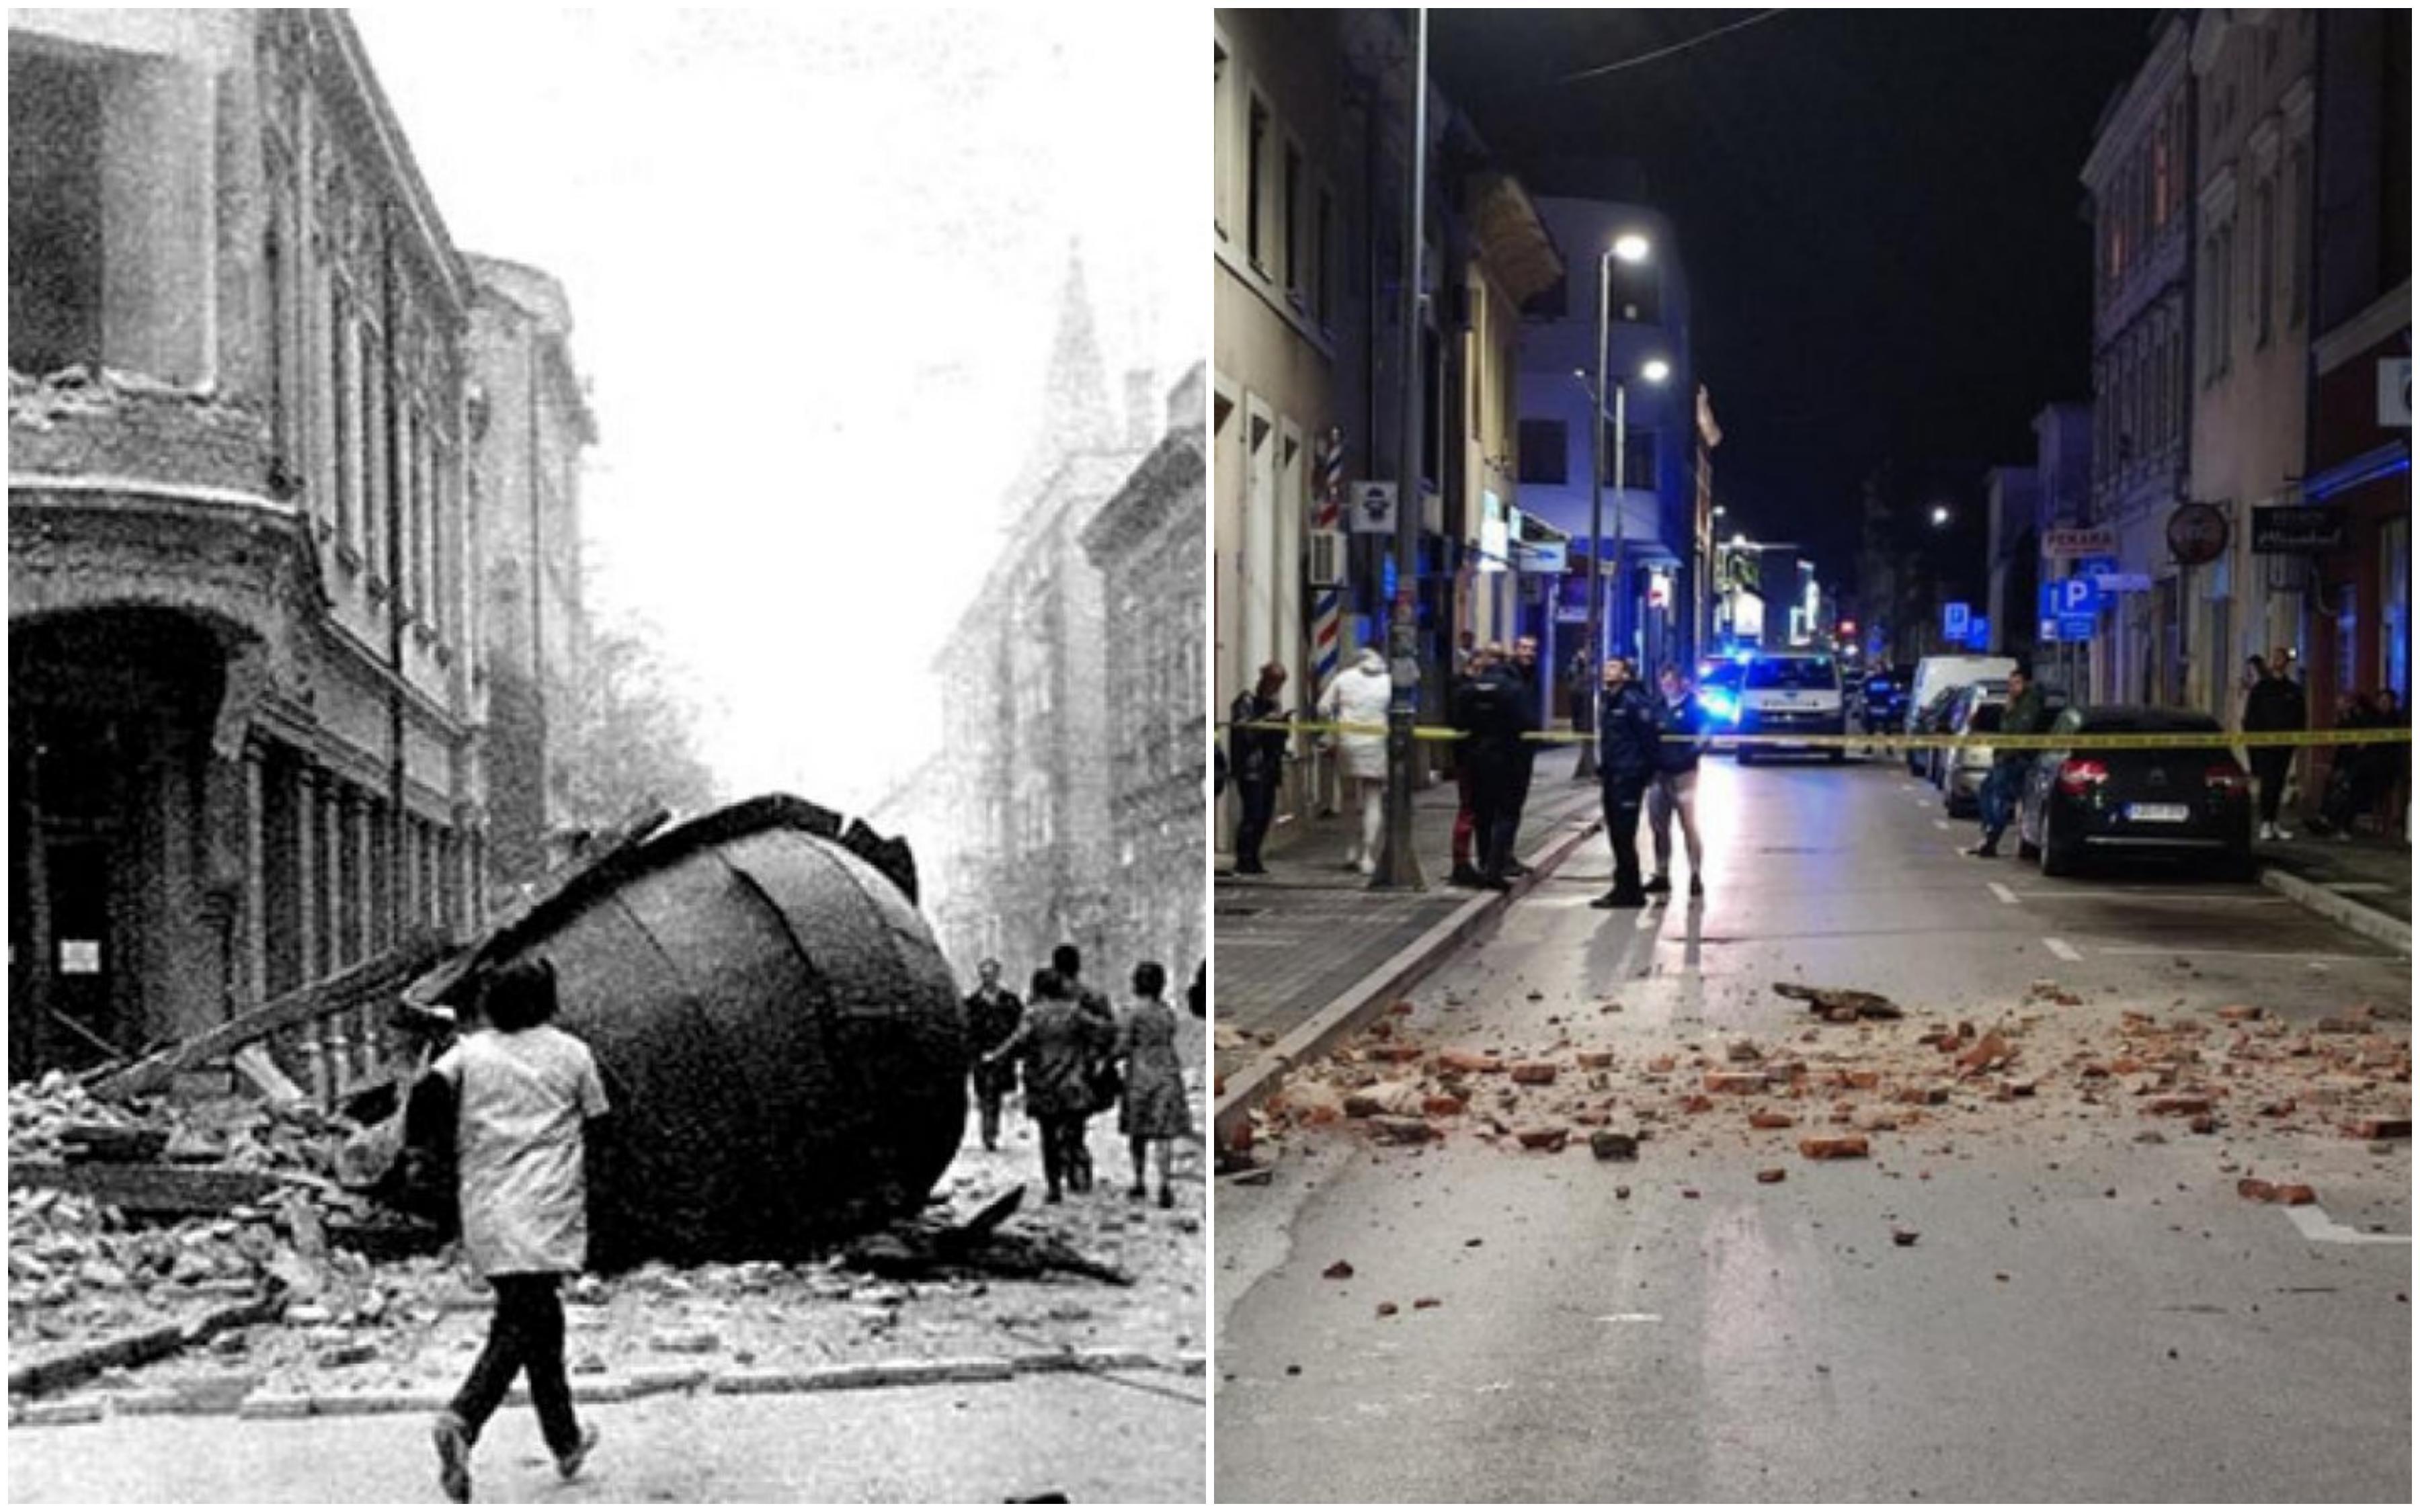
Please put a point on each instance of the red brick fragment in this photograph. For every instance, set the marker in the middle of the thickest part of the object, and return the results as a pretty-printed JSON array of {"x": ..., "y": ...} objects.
[
  {"x": 1397, "y": 1054},
  {"x": 1594, "y": 1060},
  {"x": 1472, "y": 1062},
  {"x": 1772, "y": 1176},
  {"x": 2239, "y": 1014},
  {"x": 1833, "y": 1147},
  {"x": 1341, "y": 1271},
  {"x": 1438, "y": 1105},
  {"x": 1548, "y": 1138},
  {"x": 1534, "y": 1072},
  {"x": 1735, "y": 1081},
  {"x": 2186, "y": 1106},
  {"x": 2296, "y": 1195},
  {"x": 1762, "y": 1120},
  {"x": 2380, "y": 1129}
]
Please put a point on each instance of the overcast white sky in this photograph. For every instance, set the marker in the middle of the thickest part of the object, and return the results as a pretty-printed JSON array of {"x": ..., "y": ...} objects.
[{"x": 815, "y": 262}]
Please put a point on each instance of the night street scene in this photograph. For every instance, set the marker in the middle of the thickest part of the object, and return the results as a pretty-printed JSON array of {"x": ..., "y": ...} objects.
[
  {"x": 607, "y": 767},
  {"x": 1957, "y": 465}
]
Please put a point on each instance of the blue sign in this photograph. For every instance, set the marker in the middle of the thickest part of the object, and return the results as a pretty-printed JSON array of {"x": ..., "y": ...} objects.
[
  {"x": 1978, "y": 632},
  {"x": 2076, "y": 626},
  {"x": 2078, "y": 595},
  {"x": 2046, "y": 601},
  {"x": 1953, "y": 621},
  {"x": 2049, "y": 631}
]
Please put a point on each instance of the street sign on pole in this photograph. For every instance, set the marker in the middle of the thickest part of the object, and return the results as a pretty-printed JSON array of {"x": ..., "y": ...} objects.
[
  {"x": 1373, "y": 511},
  {"x": 2078, "y": 595},
  {"x": 2080, "y": 541},
  {"x": 1953, "y": 621},
  {"x": 2076, "y": 626},
  {"x": 1978, "y": 632}
]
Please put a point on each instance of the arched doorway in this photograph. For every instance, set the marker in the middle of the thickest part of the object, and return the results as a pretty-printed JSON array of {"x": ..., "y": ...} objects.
[{"x": 117, "y": 940}]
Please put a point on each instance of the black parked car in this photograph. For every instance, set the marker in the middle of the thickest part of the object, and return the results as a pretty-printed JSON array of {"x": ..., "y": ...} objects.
[
  {"x": 2171, "y": 800},
  {"x": 1885, "y": 704}
]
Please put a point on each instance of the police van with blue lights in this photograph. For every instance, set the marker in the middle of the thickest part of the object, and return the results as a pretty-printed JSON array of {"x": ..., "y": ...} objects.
[{"x": 1783, "y": 693}]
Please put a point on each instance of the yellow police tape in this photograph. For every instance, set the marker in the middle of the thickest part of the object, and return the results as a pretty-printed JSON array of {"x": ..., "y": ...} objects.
[{"x": 2085, "y": 740}]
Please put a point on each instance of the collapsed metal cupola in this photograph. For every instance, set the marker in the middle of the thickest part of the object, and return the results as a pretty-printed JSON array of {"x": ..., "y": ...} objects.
[{"x": 779, "y": 1034}]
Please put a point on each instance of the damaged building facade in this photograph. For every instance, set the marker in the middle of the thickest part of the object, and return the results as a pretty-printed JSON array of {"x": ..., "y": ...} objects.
[
  {"x": 530, "y": 420},
  {"x": 1064, "y": 803},
  {"x": 247, "y": 673}
]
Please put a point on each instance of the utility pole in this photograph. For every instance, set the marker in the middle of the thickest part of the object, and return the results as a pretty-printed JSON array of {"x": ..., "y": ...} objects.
[
  {"x": 1586, "y": 768},
  {"x": 1399, "y": 867}
]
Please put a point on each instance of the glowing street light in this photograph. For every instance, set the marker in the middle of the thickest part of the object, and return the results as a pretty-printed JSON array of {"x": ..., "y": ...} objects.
[
  {"x": 1630, "y": 247},
  {"x": 1941, "y": 513},
  {"x": 1655, "y": 370}
]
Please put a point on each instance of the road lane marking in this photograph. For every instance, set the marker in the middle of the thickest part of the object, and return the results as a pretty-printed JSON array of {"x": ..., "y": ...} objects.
[
  {"x": 1658, "y": 1318},
  {"x": 2197, "y": 953},
  {"x": 2319, "y": 1229},
  {"x": 2000, "y": 890},
  {"x": 2158, "y": 897},
  {"x": 2064, "y": 950}
]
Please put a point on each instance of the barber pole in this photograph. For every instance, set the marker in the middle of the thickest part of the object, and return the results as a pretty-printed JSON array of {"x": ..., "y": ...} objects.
[{"x": 1328, "y": 601}]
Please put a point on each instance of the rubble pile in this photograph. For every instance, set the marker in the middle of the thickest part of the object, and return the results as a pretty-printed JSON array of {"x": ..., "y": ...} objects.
[
  {"x": 80, "y": 1268},
  {"x": 1864, "y": 1066}
]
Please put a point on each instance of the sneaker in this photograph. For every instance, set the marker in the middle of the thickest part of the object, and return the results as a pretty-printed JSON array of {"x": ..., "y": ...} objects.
[
  {"x": 1368, "y": 866},
  {"x": 2282, "y": 834},
  {"x": 453, "y": 1439},
  {"x": 1514, "y": 869},
  {"x": 1618, "y": 899},
  {"x": 1697, "y": 887},
  {"x": 2268, "y": 831},
  {"x": 1658, "y": 883},
  {"x": 567, "y": 1465},
  {"x": 1982, "y": 853}
]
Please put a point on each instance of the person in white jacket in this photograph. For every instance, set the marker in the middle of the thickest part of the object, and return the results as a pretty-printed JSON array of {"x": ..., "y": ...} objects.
[{"x": 1360, "y": 696}]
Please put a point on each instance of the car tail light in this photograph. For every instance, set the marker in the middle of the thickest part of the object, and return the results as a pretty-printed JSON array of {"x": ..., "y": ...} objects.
[
  {"x": 2076, "y": 776},
  {"x": 2226, "y": 777}
]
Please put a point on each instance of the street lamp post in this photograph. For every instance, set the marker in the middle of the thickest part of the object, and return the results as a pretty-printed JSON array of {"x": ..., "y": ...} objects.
[
  {"x": 1631, "y": 248},
  {"x": 1399, "y": 866}
]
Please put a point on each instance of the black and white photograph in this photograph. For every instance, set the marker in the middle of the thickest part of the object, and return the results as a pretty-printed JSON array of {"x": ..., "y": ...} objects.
[
  {"x": 608, "y": 763},
  {"x": 1813, "y": 648}
]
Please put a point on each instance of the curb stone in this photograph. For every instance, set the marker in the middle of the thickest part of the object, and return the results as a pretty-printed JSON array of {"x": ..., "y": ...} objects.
[
  {"x": 275, "y": 1405},
  {"x": 2335, "y": 908},
  {"x": 64, "y": 1413},
  {"x": 1371, "y": 996}
]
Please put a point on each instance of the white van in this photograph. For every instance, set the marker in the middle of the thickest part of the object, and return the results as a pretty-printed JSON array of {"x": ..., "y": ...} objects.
[
  {"x": 1936, "y": 675},
  {"x": 1791, "y": 693}
]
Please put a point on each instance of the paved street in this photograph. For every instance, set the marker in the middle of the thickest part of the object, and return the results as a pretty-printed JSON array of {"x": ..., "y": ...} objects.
[
  {"x": 1289, "y": 942},
  {"x": 2082, "y": 1312},
  {"x": 1133, "y": 1437}
]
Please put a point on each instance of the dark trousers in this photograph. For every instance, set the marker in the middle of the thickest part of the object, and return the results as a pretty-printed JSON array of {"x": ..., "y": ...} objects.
[
  {"x": 987, "y": 1103},
  {"x": 1493, "y": 819},
  {"x": 1260, "y": 798},
  {"x": 1465, "y": 817},
  {"x": 1623, "y": 796},
  {"x": 2271, "y": 763},
  {"x": 1065, "y": 1162},
  {"x": 1997, "y": 799},
  {"x": 524, "y": 1334}
]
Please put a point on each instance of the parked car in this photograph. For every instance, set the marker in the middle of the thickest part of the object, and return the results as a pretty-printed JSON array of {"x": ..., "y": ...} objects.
[
  {"x": 1936, "y": 673},
  {"x": 1791, "y": 693},
  {"x": 1978, "y": 711},
  {"x": 1940, "y": 761},
  {"x": 1931, "y": 720},
  {"x": 1882, "y": 703},
  {"x": 2082, "y": 799}
]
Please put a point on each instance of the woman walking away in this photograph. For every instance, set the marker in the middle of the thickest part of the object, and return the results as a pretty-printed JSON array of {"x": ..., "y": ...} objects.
[
  {"x": 525, "y": 1091},
  {"x": 1673, "y": 790},
  {"x": 1154, "y": 1112},
  {"x": 1059, "y": 1041}
]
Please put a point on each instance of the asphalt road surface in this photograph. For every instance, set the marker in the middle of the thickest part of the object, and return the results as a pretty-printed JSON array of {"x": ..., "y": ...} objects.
[
  {"x": 2083, "y": 1316},
  {"x": 1095, "y": 1439}
]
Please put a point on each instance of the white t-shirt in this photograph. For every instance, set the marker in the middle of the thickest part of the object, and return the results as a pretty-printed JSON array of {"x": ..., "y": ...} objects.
[{"x": 523, "y": 1099}]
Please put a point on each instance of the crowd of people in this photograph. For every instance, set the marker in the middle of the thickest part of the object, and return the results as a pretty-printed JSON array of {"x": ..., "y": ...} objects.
[{"x": 1072, "y": 1055}]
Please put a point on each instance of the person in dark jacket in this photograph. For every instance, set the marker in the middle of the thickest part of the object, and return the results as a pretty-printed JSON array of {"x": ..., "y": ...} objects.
[
  {"x": 1531, "y": 701},
  {"x": 1462, "y": 710},
  {"x": 992, "y": 1012},
  {"x": 2274, "y": 705},
  {"x": 1491, "y": 711},
  {"x": 1628, "y": 732},
  {"x": 1673, "y": 790},
  {"x": 1259, "y": 765},
  {"x": 1059, "y": 1043},
  {"x": 2028, "y": 715}
]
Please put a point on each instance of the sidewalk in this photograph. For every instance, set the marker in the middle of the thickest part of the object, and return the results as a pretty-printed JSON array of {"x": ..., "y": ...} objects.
[
  {"x": 1295, "y": 941},
  {"x": 2364, "y": 884}
]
